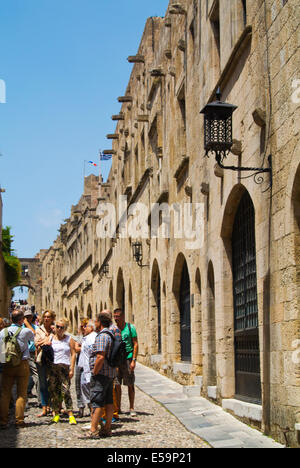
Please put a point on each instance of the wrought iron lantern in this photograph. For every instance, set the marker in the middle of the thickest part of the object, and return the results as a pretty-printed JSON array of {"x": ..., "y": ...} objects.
[
  {"x": 218, "y": 127},
  {"x": 218, "y": 137},
  {"x": 106, "y": 269},
  {"x": 137, "y": 252}
]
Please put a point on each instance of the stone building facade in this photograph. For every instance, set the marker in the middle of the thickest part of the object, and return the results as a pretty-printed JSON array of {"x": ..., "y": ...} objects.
[
  {"x": 221, "y": 310},
  {"x": 31, "y": 278}
]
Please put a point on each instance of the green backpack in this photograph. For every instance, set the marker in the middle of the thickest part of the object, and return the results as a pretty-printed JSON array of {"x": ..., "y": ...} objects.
[{"x": 13, "y": 353}]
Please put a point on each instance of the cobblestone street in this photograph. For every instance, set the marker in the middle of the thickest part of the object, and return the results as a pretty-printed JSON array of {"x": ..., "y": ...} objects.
[{"x": 153, "y": 427}]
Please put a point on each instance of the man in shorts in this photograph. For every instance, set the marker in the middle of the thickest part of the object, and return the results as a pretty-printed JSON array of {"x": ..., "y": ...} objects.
[
  {"x": 126, "y": 372},
  {"x": 101, "y": 385}
]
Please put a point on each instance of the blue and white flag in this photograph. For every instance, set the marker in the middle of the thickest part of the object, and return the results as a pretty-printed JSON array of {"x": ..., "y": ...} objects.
[{"x": 105, "y": 157}]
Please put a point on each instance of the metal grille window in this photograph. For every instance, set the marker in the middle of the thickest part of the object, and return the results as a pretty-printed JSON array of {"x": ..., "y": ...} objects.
[
  {"x": 247, "y": 362},
  {"x": 185, "y": 315},
  {"x": 244, "y": 267}
]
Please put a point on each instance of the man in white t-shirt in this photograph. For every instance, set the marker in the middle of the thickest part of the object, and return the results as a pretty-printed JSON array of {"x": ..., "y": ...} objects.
[{"x": 19, "y": 374}]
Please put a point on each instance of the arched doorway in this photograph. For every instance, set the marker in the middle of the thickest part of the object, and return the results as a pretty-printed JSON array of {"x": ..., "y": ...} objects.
[
  {"x": 89, "y": 312},
  {"x": 76, "y": 320},
  {"x": 246, "y": 332},
  {"x": 156, "y": 307},
  {"x": 185, "y": 315},
  {"x": 23, "y": 294}
]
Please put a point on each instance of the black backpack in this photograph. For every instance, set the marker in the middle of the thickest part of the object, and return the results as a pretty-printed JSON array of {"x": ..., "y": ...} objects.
[{"x": 118, "y": 353}]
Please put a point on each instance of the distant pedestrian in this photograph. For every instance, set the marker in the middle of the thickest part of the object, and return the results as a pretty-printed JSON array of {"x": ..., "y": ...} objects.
[
  {"x": 34, "y": 378},
  {"x": 126, "y": 372},
  {"x": 41, "y": 339},
  {"x": 17, "y": 370},
  {"x": 61, "y": 371}
]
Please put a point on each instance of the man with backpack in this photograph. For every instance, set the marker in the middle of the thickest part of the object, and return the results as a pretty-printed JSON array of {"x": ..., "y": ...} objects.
[
  {"x": 103, "y": 374},
  {"x": 14, "y": 355},
  {"x": 126, "y": 370}
]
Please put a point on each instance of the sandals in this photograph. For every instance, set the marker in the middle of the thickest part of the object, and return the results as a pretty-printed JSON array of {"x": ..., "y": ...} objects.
[
  {"x": 93, "y": 435},
  {"x": 104, "y": 433}
]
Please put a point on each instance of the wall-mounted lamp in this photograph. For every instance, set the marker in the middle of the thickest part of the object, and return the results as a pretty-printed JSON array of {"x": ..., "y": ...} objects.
[
  {"x": 218, "y": 136},
  {"x": 137, "y": 250}
]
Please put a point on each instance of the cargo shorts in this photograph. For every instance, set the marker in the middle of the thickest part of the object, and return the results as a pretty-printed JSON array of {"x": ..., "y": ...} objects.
[{"x": 101, "y": 391}]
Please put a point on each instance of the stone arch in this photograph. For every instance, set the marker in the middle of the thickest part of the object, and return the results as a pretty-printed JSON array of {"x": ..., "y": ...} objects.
[
  {"x": 181, "y": 308},
  {"x": 155, "y": 310},
  {"x": 230, "y": 210},
  {"x": 23, "y": 284}
]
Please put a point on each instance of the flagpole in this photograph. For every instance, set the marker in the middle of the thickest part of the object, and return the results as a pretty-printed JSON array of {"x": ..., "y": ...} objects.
[
  {"x": 84, "y": 167},
  {"x": 99, "y": 173}
]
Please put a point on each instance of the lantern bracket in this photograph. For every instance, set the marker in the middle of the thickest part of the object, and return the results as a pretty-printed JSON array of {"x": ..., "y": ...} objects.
[{"x": 257, "y": 171}]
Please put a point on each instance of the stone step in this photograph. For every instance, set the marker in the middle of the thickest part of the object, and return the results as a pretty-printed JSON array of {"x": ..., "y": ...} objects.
[{"x": 192, "y": 390}]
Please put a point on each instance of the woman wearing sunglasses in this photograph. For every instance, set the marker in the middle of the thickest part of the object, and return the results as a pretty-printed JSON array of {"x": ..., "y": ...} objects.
[
  {"x": 42, "y": 336},
  {"x": 61, "y": 371}
]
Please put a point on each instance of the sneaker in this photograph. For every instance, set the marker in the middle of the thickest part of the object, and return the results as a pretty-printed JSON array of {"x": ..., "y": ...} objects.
[
  {"x": 72, "y": 420},
  {"x": 56, "y": 419},
  {"x": 115, "y": 420},
  {"x": 132, "y": 413},
  {"x": 87, "y": 427}
]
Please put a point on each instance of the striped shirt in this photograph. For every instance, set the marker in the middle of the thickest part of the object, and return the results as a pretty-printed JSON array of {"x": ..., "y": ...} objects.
[{"x": 103, "y": 343}]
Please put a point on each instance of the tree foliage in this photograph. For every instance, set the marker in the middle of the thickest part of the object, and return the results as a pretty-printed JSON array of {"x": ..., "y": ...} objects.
[{"x": 12, "y": 263}]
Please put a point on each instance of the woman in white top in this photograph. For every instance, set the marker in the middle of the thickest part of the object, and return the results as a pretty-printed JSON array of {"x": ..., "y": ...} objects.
[{"x": 61, "y": 371}]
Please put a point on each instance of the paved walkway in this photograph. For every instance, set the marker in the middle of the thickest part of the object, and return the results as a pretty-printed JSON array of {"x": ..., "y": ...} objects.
[
  {"x": 153, "y": 427},
  {"x": 200, "y": 416}
]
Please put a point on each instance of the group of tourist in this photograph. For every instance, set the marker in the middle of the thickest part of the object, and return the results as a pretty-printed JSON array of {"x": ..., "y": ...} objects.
[{"x": 43, "y": 355}]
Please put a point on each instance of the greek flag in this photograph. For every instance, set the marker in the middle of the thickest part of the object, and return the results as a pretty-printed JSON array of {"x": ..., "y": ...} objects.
[{"x": 105, "y": 157}]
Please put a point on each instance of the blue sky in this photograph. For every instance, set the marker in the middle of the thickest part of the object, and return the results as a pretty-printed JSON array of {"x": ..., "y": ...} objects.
[{"x": 64, "y": 65}]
